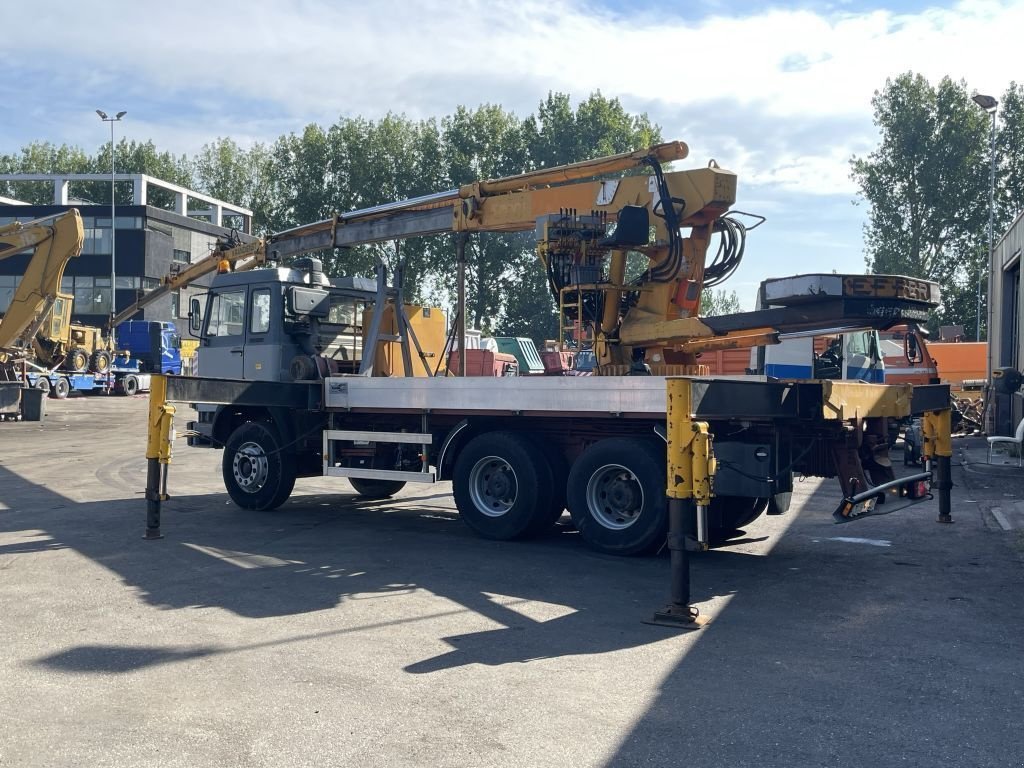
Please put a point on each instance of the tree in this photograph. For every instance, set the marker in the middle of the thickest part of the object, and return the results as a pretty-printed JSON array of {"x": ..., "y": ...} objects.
[
  {"x": 1010, "y": 155},
  {"x": 713, "y": 303},
  {"x": 927, "y": 187},
  {"x": 42, "y": 157}
]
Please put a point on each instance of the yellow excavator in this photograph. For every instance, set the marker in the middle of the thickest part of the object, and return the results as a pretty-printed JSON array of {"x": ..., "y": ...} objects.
[{"x": 37, "y": 323}]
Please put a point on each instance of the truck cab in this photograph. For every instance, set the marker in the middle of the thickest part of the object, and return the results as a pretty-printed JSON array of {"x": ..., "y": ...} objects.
[
  {"x": 156, "y": 345},
  {"x": 280, "y": 323},
  {"x": 853, "y": 356}
]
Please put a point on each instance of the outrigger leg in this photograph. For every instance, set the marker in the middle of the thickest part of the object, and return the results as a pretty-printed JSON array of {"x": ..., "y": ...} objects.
[{"x": 159, "y": 443}]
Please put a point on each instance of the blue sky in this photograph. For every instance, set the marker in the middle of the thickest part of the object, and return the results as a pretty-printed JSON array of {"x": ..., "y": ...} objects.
[{"x": 780, "y": 94}]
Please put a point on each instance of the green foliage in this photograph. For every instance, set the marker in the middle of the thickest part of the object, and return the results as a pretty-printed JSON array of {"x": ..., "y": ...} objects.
[
  {"x": 1010, "y": 155},
  {"x": 720, "y": 302},
  {"x": 357, "y": 163},
  {"x": 927, "y": 183}
]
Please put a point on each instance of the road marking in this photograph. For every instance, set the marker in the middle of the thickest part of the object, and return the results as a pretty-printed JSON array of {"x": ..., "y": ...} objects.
[
  {"x": 856, "y": 540},
  {"x": 244, "y": 560},
  {"x": 1005, "y": 524}
]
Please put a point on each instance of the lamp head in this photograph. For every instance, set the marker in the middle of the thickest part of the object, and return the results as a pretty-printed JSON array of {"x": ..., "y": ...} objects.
[
  {"x": 985, "y": 102},
  {"x": 121, "y": 114},
  {"x": 102, "y": 114}
]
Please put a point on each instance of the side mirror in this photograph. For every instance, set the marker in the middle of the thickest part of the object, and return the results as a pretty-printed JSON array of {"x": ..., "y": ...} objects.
[
  {"x": 912, "y": 348},
  {"x": 195, "y": 316}
]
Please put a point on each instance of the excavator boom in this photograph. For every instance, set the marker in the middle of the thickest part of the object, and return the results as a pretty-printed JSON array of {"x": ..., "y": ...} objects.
[{"x": 54, "y": 241}]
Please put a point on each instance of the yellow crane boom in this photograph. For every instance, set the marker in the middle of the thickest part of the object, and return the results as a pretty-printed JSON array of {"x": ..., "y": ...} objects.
[{"x": 54, "y": 241}]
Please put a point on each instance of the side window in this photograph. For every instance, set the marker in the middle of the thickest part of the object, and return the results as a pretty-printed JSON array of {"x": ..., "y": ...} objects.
[
  {"x": 857, "y": 344},
  {"x": 227, "y": 314},
  {"x": 259, "y": 319}
]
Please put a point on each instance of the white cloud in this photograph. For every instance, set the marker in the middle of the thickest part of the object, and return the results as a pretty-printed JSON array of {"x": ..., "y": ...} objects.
[
  {"x": 255, "y": 69},
  {"x": 781, "y": 96}
]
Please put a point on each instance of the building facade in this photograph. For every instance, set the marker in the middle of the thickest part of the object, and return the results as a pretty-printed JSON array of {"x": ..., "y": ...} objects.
[
  {"x": 150, "y": 244},
  {"x": 1006, "y": 334}
]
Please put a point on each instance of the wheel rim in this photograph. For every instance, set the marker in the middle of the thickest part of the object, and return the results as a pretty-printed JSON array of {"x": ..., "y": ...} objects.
[
  {"x": 250, "y": 467},
  {"x": 615, "y": 497},
  {"x": 493, "y": 486}
]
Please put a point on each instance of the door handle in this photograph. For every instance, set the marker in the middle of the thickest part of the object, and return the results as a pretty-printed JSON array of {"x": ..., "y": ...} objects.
[{"x": 236, "y": 350}]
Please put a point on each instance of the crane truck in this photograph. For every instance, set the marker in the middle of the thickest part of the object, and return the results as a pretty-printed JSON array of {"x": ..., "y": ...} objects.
[{"x": 614, "y": 447}]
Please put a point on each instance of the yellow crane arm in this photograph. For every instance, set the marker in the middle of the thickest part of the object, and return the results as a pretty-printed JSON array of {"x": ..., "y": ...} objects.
[
  {"x": 54, "y": 241},
  {"x": 227, "y": 252}
]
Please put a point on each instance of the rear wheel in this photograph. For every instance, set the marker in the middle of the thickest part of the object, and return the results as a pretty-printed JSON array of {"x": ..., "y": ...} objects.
[
  {"x": 376, "y": 489},
  {"x": 617, "y": 496},
  {"x": 727, "y": 514},
  {"x": 130, "y": 385},
  {"x": 502, "y": 486},
  {"x": 101, "y": 361},
  {"x": 61, "y": 388},
  {"x": 43, "y": 383},
  {"x": 257, "y": 473}
]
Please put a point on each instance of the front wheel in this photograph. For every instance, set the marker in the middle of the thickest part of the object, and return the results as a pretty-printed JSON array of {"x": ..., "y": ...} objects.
[
  {"x": 376, "y": 489},
  {"x": 617, "y": 496},
  {"x": 257, "y": 473},
  {"x": 43, "y": 384}
]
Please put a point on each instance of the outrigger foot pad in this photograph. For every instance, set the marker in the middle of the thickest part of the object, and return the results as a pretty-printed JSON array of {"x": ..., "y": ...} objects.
[{"x": 678, "y": 617}]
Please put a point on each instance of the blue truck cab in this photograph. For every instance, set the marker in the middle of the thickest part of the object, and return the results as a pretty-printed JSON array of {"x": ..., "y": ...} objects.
[{"x": 155, "y": 344}]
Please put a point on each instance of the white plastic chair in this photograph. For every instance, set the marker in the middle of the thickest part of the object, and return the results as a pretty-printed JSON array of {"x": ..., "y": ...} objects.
[{"x": 1017, "y": 439}]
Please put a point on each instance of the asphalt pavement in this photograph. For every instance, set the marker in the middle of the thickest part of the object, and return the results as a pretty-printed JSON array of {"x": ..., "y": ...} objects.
[{"x": 337, "y": 632}]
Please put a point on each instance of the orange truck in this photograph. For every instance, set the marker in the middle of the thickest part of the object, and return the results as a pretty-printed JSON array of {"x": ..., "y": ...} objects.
[{"x": 909, "y": 359}]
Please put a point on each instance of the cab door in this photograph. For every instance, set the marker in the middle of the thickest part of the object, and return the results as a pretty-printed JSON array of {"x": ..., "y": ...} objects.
[
  {"x": 264, "y": 347},
  {"x": 222, "y": 348}
]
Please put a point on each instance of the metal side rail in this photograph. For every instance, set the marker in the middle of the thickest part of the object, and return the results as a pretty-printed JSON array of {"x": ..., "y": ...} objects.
[{"x": 335, "y": 468}]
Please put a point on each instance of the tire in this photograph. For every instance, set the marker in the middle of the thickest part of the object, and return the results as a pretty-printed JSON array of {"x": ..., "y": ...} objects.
[
  {"x": 728, "y": 514},
  {"x": 617, "y": 496},
  {"x": 376, "y": 489},
  {"x": 502, "y": 486},
  {"x": 43, "y": 383},
  {"x": 100, "y": 361},
  {"x": 257, "y": 474},
  {"x": 130, "y": 386},
  {"x": 61, "y": 388},
  {"x": 77, "y": 360}
]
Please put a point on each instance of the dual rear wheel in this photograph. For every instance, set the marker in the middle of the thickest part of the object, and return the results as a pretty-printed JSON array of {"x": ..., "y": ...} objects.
[{"x": 506, "y": 486}]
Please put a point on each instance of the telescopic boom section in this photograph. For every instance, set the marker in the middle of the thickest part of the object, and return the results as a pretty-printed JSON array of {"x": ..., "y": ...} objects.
[{"x": 587, "y": 217}]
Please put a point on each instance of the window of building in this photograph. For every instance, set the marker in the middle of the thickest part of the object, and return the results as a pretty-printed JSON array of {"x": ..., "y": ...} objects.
[
  {"x": 128, "y": 283},
  {"x": 259, "y": 321},
  {"x": 176, "y": 304},
  {"x": 181, "y": 257},
  {"x": 227, "y": 314},
  {"x": 149, "y": 283}
]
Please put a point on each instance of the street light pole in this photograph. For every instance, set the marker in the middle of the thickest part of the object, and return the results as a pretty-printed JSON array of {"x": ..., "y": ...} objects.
[
  {"x": 989, "y": 104},
  {"x": 113, "y": 225}
]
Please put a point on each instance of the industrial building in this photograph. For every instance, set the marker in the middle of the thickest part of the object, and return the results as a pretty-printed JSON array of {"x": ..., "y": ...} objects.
[
  {"x": 1006, "y": 342},
  {"x": 150, "y": 242}
]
